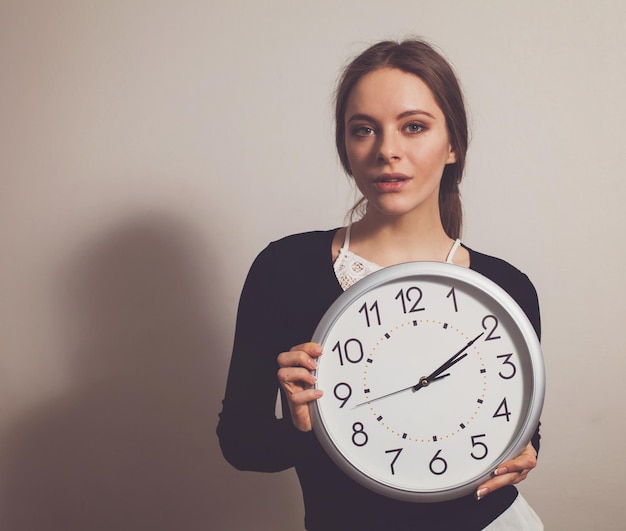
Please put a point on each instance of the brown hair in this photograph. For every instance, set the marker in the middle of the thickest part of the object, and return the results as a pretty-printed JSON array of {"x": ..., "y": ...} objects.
[{"x": 416, "y": 57}]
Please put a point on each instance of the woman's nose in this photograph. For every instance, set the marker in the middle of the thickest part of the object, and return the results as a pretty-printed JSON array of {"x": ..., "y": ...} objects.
[{"x": 389, "y": 148}]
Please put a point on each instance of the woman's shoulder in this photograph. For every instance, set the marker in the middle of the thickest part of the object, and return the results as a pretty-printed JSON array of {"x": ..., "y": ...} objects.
[
  {"x": 304, "y": 250},
  {"x": 500, "y": 271},
  {"x": 295, "y": 268},
  {"x": 303, "y": 243},
  {"x": 492, "y": 266}
]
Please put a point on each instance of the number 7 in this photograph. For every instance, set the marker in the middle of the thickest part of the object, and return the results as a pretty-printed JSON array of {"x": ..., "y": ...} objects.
[{"x": 397, "y": 451}]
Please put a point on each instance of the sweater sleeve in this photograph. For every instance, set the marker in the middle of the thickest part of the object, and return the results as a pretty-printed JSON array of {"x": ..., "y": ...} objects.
[{"x": 251, "y": 436}]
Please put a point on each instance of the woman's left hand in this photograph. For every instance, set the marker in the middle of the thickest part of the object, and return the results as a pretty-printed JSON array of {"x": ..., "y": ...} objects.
[{"x": 511, "y": 472}]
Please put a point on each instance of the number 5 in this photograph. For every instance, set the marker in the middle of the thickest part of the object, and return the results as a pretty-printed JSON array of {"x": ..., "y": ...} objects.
[{"x": 482, "y": 453}]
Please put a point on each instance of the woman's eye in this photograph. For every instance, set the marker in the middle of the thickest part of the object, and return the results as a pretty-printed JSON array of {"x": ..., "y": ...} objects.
[
  {"x": 363, "y": 130},
  {"x": 414, "y": 128}
]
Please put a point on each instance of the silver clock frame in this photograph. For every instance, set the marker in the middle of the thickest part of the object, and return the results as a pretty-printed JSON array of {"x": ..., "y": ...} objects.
[{"x": 458, "y": 274}]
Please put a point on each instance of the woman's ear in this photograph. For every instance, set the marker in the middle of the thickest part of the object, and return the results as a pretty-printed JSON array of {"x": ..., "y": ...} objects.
[{"x": 451, "y": 156}]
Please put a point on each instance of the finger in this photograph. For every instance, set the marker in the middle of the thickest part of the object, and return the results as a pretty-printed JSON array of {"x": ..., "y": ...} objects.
[
  {"x": 312, "y": 349},
  {"x": 511, "y": 472},
  {"x": 295, "y": 376},
  {"x": 296, "y": 359},
  {"x": 299, "y": 409},
  {"x": 304, "y": 397},
  {"x": 300, "y": 416},
  {"x": 497, "y": 482},
  {"x": 527, "y": 460},
  {"x": 300, "y": 356}
]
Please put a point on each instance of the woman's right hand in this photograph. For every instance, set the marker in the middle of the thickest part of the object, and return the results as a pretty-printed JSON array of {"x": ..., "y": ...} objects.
[{"x": 295, "y": 378}]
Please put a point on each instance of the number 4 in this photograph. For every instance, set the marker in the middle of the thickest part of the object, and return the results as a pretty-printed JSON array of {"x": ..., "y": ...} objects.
[{"x": 503, "y": 411}]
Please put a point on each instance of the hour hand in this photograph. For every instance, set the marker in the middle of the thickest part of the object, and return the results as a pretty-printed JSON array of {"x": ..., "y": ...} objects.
[{"x": 424, "y": 381}]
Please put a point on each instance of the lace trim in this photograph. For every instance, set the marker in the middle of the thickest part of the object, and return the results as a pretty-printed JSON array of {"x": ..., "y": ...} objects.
[{"x": 350, "y": 268}]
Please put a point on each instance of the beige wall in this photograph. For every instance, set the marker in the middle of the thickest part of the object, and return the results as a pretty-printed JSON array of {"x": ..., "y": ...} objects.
[{"x": 148, "y": 151}]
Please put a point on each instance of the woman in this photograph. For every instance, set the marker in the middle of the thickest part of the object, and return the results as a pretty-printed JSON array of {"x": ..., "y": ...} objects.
[{"x": 401, "y": 134}]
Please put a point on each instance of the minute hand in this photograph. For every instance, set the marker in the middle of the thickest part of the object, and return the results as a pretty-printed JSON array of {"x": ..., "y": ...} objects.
[{"x": 445, "y": 366}]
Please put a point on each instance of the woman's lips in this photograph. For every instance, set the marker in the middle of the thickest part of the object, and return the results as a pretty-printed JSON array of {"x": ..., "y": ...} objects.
[{"x": 391, "y": 182}]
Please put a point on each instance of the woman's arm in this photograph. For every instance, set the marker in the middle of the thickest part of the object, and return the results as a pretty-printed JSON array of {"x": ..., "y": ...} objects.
[{"x": 250, "y": 435}]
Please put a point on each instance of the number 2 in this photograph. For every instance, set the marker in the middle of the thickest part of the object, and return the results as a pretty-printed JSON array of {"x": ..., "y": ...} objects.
[{"x": 487, "y": 318}]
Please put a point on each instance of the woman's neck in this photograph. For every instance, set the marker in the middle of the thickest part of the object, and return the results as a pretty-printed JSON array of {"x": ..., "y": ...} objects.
[{"x": 389, "y": 241}]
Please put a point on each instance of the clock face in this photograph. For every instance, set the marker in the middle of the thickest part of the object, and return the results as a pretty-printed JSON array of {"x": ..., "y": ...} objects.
[{"x": 432, "y": 377}]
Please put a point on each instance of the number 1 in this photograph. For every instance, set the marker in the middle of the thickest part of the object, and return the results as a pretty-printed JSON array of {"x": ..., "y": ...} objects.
[{"x": 452, "y": 294}]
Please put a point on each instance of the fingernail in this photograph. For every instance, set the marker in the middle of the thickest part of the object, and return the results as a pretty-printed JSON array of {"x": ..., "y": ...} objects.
[
  {"x": 313, "y": 364},
  {"x": 500, "y": 471},
  {"x": 481, "y": 493}
]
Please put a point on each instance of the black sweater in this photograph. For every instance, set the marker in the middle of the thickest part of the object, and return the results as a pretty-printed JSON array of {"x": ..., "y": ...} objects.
[{"x": 288, "y": 289}]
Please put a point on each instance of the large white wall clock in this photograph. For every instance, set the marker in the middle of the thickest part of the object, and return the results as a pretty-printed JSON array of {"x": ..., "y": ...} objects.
[{"x": 432, "y": 377}]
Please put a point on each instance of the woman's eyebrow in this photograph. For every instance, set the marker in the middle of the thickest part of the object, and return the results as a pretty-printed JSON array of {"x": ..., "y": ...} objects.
[
  {"x": 405, "y": 114},
  {"x": 360, "y": 116},
  {"x": 413, "y": 112}
]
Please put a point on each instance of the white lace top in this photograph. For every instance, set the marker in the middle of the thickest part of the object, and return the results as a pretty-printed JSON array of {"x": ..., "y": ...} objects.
[{"x": 350, "y": 268}]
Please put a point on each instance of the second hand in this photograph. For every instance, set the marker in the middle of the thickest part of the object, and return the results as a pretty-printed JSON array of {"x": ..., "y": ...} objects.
[{"x": 441, "y": 377}]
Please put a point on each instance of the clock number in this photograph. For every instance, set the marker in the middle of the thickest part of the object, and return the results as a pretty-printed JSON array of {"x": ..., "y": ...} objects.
[
  {"x": 480, "y": 446},
  {"x": 373, "y": 308},
  {"x": 503, "y": 411},
  {"x": 507, "y": 361},
  {"x": 493, "y": 323},
  {"x": 346, "y": 352},
  {"x": 359, "y": 437},
  {"x": 452, "y": 294},
  {"x": 407, "y": 297},
  {"x": 345, "y": 395},
  {"x": 397, "y": 451},
  {"x": 438, "y": 465}
]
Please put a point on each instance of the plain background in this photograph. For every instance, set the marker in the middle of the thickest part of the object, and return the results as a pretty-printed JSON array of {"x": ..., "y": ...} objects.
[{"x": 149, "y": 149}]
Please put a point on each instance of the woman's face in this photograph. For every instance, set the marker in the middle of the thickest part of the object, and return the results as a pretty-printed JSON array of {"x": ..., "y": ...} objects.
[{"x": 397, "y": 143}]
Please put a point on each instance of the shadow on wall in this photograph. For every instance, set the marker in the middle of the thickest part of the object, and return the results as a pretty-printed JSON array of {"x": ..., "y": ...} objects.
[{"x": 128, "y": 446}]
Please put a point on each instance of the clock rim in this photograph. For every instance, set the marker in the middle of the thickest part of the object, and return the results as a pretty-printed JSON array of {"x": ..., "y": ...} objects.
[{"x": 477, "y": 280}]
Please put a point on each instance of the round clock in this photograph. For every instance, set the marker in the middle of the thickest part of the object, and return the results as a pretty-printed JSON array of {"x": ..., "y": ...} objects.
[{"x": 433, "y": 376}]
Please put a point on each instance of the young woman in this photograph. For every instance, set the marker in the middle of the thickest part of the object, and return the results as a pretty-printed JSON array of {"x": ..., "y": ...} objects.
[{"x": 401, "y": 134}]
